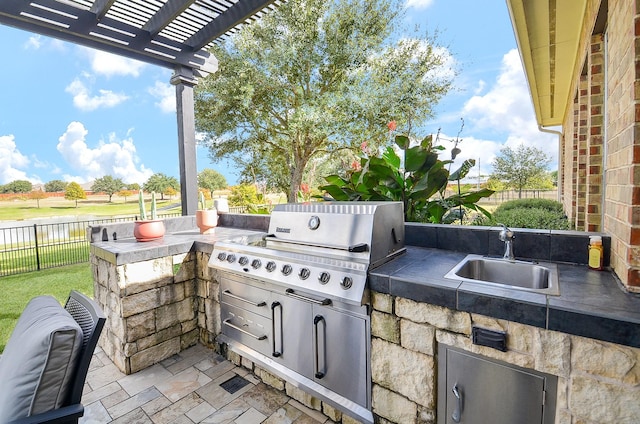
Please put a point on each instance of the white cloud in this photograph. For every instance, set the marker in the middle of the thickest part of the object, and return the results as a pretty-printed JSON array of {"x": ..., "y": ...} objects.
[
  {"x": 108, "y": 64},
  {"x": 419, "y": 4},
  {"x": 506, "y": 110},
  {"x": 12, "y": 162},
  {"x": 114, "y": 157},
  {"x": 165, "y": 95},
  {"x": 34, "y": 42},
  {"x": 83, "y": 100}
]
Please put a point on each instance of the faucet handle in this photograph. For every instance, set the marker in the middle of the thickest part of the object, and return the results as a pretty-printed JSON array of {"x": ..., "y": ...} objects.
[{"x": 506, "y": 233}]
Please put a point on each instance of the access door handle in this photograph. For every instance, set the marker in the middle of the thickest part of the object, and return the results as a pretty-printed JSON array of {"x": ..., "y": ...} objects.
[
  {"x": 228, "y": 323},
  {"x": 275, "y": 352},
  {"x": 242, "y": 299},
  {"x": 457, "y": 413},
  {"x": 319, "y": 372}
]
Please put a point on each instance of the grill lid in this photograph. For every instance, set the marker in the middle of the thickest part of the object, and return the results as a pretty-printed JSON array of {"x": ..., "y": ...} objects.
[{"x": 366, "y": 231}]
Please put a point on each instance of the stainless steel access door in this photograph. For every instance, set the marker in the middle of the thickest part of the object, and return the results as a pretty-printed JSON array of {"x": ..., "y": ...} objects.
[
  {"x": 475, "y": 390},
  {"x": 340, "y": 349},
  {"x": 291, "y": 344}
]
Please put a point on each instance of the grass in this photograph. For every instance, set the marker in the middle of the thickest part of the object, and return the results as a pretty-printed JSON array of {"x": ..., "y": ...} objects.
[
  {"x": 96, "y": 205},
  {"x": 17, "y": 290}
]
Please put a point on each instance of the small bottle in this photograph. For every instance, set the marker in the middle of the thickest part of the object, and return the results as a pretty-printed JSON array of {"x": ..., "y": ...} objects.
[{"x": 596, "y": 252}]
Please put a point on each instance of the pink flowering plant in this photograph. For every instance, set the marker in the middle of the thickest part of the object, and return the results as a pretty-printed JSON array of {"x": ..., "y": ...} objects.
[{"x": 417, "y": 177}]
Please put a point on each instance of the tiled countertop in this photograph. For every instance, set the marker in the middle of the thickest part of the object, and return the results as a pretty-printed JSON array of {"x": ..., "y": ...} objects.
[
  {"x": 591, "y": 303},
  {"x": 128, "y": 250}
]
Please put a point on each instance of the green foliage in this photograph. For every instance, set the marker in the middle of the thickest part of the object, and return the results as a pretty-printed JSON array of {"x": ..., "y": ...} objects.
[
  {"x": 524, "y": 167},
  {"x": 211, "y": 180},
  {"x": 530, "y": 213},
  {"x": 73, "y": 191},
  {"x": 133, "y": 187},
  {"x": 54, "y": 186},
  {"x": 107, "y": 185},
  {"x": 313, "y": 79},
  {"x": 423, "y": 176},
  {"x": 17, "y": 186},
  {"x": 243, "y": 195},
  {"x": 159, "y": 183}
]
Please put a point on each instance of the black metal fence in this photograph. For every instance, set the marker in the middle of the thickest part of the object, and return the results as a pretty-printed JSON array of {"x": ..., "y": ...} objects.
[{"x": 41, "y": 246}]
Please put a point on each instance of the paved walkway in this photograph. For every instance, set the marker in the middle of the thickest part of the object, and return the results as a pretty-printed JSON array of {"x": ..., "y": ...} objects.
[{"x": 187, "y": 388}]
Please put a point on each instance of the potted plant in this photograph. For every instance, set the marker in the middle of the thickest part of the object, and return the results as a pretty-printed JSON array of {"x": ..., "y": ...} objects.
[
  {"x": 146, "y": 229},
  {"x": 206, "y": 219}
]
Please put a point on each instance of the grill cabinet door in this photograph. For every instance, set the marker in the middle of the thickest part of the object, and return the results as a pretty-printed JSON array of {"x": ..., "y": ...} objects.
[
  {"x": 489, "y": 392},
  {"x": 291, "y": 345},
  {"x": 340, "y": 353}
]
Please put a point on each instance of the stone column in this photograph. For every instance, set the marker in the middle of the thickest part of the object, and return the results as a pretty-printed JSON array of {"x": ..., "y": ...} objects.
[{"x": 184, "y": 80}]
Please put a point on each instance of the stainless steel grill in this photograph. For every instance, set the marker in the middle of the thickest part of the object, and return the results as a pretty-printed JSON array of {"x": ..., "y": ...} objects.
[{"x": 295, "y": 299}]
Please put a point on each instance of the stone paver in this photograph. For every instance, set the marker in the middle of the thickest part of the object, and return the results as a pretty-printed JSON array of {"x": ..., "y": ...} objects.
[{"x": 185, "y": 388}]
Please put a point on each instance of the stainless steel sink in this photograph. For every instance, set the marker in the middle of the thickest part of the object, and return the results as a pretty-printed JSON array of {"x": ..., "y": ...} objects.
[{"x": 538, "y": 277}]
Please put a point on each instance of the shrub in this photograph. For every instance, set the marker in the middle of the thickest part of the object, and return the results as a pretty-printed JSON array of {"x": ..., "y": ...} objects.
[
  {"x": 530, "y": 213},
  {"x": 547, "y": 204}
]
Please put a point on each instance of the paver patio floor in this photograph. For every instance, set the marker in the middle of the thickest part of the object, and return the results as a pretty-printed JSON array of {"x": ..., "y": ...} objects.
[{"x": 186, "y": 388}]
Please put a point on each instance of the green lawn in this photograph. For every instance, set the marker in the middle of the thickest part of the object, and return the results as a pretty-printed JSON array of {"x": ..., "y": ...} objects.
[{"x": 17, "y": 290}]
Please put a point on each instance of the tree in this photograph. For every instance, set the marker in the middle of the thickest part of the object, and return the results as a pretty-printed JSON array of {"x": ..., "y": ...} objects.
[
  {"x": 159, "y": 183},
  {"x": 243, "y": 195},
  {"x": 17, "y": 186},
  {"x": 211, "y": 180},
  {"x": 316, "y": 78},
  {"x": 125, "y": 193},
  {"x": 55, "y": 186},
  {"x": 37, "y": 195},
  {"x": 519, "y": 168},
  {"x": 107, "y": 185},
  {"x": 133, "y": 187},
  {"x": 73, "y": 191}
]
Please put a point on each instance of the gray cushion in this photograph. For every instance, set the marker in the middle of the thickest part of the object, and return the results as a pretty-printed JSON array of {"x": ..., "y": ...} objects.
[{"x": 36, "y": 366}]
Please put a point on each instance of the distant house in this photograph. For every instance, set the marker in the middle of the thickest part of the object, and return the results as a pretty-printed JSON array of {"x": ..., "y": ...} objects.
[{"x": 581, "y": 61}]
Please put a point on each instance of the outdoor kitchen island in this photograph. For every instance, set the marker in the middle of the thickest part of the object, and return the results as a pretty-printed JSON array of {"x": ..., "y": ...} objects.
[{"x": 161, "y": 297}]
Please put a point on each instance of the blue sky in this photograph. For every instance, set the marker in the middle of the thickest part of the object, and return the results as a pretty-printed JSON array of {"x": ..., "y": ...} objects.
[{"x": 71, "y": 113}]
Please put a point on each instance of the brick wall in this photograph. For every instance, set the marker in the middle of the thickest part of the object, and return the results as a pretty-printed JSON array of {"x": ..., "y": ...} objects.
[{"x": 605, "y": 161}]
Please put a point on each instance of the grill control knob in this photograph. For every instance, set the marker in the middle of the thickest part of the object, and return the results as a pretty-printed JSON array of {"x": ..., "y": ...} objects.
[
  {"x": 324, "y": 277},
  {"x": 222, "y": 256},
  {"x": 304, "y": 273},
  {"x": 286, "y": 269},
  {"x": 243, "y": 260},
  {"x": 231, "y": 258},
  {"x": 271, "y": 266},
  {"x": 255, "y": 264},
  {"x": 346, "y": 283}
]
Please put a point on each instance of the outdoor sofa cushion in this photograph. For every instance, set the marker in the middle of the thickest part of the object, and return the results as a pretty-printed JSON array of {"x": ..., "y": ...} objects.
[{"x": 37, "y": 364}]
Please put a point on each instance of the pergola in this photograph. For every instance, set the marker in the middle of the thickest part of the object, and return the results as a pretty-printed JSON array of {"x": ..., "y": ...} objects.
[{"x": 170, "y": 33}]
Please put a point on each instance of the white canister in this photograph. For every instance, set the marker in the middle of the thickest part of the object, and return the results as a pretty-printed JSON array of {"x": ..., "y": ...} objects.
[{"x": 221, "y": 204}]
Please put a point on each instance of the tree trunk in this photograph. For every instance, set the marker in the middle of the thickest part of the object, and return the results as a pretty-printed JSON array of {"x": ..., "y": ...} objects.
[{"x": 296, "y": 179}]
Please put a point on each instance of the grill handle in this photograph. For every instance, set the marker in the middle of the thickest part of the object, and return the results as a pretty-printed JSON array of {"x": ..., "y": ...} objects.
[
  {"x": 227, "y": 322},
  {"x": 274, "y": 352},
  {"x": 242, "y": 299},
  {"x": 292, "y": 293},
  {"x": 316, "y": 363},
  {"x": 358, "y": 248}
]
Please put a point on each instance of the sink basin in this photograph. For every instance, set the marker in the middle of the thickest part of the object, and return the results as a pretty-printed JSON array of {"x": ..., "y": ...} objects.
[{"x": 538, "y": 277}]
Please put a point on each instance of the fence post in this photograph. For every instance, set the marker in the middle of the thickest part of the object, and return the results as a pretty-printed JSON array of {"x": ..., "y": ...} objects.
[{"x": 35, "y": 237}]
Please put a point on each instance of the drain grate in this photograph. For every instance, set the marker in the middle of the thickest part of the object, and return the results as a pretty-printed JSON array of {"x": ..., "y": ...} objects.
[{"x": 234, "y": 384}]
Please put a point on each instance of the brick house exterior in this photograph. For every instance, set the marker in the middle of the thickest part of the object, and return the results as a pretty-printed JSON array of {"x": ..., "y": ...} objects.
[{"x": 582, "y": 62}]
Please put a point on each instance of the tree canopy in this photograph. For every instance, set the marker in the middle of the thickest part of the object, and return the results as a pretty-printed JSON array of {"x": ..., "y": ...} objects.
[
  {"x": 55, "y": 186},
  {"x": 315, "y": 79},
  {"x": 211, "y": 180},
  {"x": 107, "y": 185},
  {"x": 74, "y": 191},
  {"x": 521, "y": 167},
  {"x": 17, "y": 186},
  {"x": 160, "y": 182}
]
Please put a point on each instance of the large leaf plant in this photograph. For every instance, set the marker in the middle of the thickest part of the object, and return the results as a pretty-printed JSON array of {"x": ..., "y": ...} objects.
[{"x": 418, "y": 179}]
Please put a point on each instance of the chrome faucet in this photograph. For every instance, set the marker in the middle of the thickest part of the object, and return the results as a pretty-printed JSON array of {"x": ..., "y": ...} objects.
[{"x": 507, "y": 235}]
